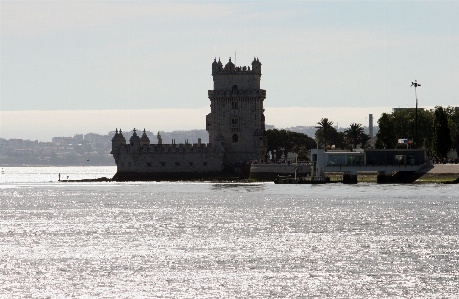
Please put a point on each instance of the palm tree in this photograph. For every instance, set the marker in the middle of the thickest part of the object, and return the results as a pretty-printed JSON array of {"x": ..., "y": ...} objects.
[
  {"x": 354, "y": 134},
  {"x": 364, "y": 138},
  {"x": 323, "y": 130}
]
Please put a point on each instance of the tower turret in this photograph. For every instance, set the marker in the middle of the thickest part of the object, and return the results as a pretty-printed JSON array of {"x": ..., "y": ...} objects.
[
  {"x": 115, "y": 141},
  {"x": 121, "y": 138},
  {"x": 229, "y": 67},
  {"x": 214, "y": 66},
  {"x": 256, "y": 66},
  {"x": 134, "y": 141},
  {"x": 144, "y": 140},
  {"x": 160, "y": 140}
]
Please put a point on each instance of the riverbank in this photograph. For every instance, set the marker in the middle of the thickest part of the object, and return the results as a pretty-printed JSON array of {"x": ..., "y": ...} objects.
[
  {"x": 438, "y": 174},
  {"x": 441, "y": 173}
]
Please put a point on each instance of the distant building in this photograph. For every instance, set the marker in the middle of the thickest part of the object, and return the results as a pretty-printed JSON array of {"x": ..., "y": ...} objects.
[
  {"x": 78, "y": 137},
  {"x": 16, "y": 143},
  {"x": 60, "y": 140}
]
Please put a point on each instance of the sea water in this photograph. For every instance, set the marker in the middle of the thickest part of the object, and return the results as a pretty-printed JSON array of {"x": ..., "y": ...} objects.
[{"x": 223, "y": 240}]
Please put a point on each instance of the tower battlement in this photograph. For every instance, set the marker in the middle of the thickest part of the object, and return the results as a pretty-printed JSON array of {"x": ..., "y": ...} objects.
[
  {"x": 230, "y": 67},
  {"x": 245, "y": 77}
]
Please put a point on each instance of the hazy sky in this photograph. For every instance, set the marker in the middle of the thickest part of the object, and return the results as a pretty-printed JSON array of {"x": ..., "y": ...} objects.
[{"x": 71, "y": 67}]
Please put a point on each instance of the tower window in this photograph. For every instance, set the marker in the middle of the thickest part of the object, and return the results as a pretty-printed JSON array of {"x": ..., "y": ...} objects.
[
  {"x": 235, "y": 138},
  {"x": 234, "y": 105},
  {"x": 234, "y": 121}
]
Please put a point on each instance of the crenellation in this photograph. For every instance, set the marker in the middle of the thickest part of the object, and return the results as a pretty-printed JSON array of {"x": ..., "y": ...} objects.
[{"x": 181, "y": 147}]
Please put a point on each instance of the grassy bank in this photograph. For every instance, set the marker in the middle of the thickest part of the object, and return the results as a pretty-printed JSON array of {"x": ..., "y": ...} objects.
[
  {"x": 426, "y": 179},
  {"x": 438, "y": 178}
]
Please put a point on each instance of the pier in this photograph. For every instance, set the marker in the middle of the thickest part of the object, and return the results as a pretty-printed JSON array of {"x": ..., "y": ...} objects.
[{"x": 391, "y": 165}]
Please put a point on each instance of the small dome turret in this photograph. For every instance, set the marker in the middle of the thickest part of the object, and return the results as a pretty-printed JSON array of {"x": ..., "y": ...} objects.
[
  {"x": 135, "y": 140},
  {"x": 121, "y": 137},
  {"x": 117, "y": 140},
  {"x": 229, "y": 67},
  {"x": 220, "y": 64},
  {"x": 116, "y": 136},
  {"x": 144, "y": 140},
  {"x": 256, "y": 66},
  {"x": 214, "y": 66}
]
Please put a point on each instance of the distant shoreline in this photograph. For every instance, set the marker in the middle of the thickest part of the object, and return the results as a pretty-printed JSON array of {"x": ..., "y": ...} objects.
[
  {"x": 439, "y": 173},
  {"x": 77, "y": 165}
]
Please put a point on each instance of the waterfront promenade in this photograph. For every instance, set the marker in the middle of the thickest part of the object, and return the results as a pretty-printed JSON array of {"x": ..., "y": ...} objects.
[{"x": 440, "y": 169}]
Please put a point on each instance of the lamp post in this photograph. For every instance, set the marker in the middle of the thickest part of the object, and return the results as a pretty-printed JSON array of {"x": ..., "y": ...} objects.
[{"x": 416, "y": 84}]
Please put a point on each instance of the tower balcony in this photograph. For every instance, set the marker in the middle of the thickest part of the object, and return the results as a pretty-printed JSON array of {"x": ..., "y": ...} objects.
[{"x": 239, "y": 93}]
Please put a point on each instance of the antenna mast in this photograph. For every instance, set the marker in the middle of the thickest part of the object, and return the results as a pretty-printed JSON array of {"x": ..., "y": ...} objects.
[{"x": 416, "y": 84}]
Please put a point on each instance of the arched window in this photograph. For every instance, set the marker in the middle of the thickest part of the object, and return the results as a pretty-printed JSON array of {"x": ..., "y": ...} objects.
[{"x": 235, "y": 138}]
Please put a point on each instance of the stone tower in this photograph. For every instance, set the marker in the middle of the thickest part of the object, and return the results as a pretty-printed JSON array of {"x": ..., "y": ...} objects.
[{"x": 236, "y": 120}]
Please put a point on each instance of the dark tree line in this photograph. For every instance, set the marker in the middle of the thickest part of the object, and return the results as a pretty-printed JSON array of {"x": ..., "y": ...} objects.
[
  {"x": 437, "y": 130},
  {"x": 282, "y": 142}
]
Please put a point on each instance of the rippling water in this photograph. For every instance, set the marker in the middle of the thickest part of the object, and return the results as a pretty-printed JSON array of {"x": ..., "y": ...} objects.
[{"x": 206, "y": 240}]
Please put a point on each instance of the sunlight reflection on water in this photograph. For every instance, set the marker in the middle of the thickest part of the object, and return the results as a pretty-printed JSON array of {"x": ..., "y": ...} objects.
[{"x": 208, "y": 240}]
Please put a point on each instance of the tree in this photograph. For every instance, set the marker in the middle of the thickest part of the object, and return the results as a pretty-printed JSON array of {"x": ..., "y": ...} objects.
[
  {"x": 405, "y": 125},
  {"x": 274, "y": 143},
  {"x": 386, "y": 137},
  {"x": 301, "y": 144},
  {"x": 354, "y": 134},
  {"x": 453, "y": 122},
  {"x": 364, "y": 138},
  {"x": 282, "y": 142},
  {"x": 338, "y": 139},
  {"x": 441, "y": 133},
  {"x": 324, "y": 131}
]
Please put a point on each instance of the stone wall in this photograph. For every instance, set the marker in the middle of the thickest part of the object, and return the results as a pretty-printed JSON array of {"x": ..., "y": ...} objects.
[{"x": 170, "y": 158}]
